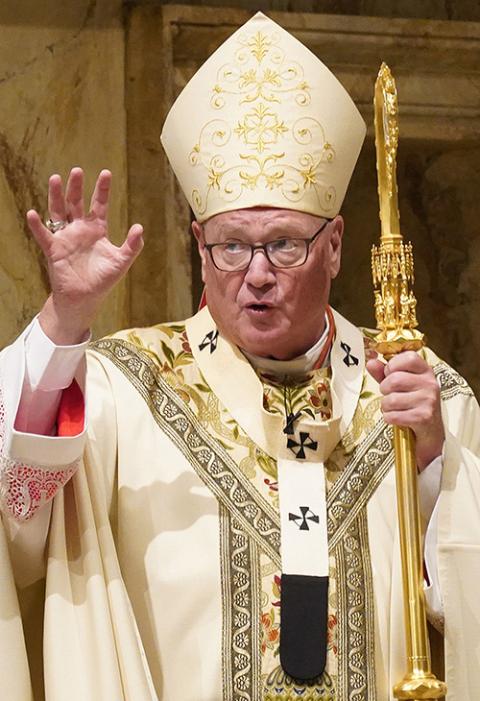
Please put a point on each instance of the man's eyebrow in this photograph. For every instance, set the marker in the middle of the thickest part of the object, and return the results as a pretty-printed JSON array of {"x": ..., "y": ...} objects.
[
  {"x": 226, "y": 230},
  {"x": 278, "y": 230}
]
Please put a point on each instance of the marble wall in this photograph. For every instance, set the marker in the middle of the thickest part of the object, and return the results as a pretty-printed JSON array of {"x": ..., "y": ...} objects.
[
  {"x": 426, "y": 9},
  {"x": 62, "y": 103}
]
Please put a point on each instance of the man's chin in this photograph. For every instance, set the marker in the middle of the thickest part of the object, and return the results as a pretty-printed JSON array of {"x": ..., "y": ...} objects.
[
  {"x": 268, "y": 343},
  {"x": 260, "y": 335}
]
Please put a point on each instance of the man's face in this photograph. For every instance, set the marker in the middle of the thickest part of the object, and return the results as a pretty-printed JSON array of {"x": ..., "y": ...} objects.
[{"x": 265, "y": 310}]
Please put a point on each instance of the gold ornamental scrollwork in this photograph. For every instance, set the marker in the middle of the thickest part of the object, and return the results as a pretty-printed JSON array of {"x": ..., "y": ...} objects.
[{"x": 253, "y": 150}]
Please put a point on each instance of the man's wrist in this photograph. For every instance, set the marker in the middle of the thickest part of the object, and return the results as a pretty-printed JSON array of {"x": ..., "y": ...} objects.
[
  {"x": 63, "y": 330},
  {"x": 430, "y": 446}
]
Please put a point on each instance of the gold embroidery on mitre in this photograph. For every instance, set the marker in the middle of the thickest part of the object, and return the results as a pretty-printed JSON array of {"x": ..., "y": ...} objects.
[{"x": 261, "y": 79}]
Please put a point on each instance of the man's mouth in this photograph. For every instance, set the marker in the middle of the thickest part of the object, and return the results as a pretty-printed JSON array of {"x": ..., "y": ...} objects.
[{"x": 259, "y": 308}]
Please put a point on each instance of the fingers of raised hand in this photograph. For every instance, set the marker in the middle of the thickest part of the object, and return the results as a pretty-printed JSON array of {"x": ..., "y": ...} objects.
[
  {"x": 57, "y": 208},
  {"x": 132, "y": 245},
  {"x": 69, "y": 205},
  {"x": 39, "y": 231},
  {"x": 74, "y": 194},
  {"x": 101, "y": 194}
]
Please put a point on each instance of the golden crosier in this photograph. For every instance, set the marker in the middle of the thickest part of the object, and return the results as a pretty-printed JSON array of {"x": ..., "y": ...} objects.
[{"x": 395, "y": 311}]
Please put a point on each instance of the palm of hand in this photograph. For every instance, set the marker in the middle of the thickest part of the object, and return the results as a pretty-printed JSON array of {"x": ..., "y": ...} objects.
[{"x": 83, "y": 261}]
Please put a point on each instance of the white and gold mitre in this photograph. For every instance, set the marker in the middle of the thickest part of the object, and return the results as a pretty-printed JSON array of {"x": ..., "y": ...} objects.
[{"x": 263, "y": 123}]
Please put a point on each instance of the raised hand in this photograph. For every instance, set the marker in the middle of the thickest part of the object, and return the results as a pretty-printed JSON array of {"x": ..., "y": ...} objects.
[{"x": 83, "y": 264}]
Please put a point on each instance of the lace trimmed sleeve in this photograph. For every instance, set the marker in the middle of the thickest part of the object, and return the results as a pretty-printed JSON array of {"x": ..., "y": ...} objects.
[{"x": 26, "y": 484}]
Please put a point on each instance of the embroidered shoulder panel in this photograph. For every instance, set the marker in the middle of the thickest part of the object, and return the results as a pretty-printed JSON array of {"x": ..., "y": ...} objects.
[{"x": 208, "y": 457}]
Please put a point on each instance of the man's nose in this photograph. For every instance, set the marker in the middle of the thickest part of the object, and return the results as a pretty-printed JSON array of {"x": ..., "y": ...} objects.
[{"x": 260, "y": 271}]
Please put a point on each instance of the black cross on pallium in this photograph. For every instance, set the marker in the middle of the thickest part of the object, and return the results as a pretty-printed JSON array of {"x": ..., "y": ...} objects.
[
  {"x": 210, "y": 340},
  {"x": 305, "y": 442},
  {"x": 349, "y": 359},
  {"x": 306, "y": 516}
]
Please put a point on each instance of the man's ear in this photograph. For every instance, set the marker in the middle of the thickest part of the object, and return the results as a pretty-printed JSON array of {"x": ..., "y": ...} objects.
[
  {"x": 336, "y": 234},
  {"x": 198, "y": 233}
]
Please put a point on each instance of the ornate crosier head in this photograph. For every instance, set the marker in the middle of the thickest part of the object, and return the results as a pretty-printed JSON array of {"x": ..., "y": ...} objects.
[
  {"x": 392, "y": 261},
  {"x": 263, "y": 123}
]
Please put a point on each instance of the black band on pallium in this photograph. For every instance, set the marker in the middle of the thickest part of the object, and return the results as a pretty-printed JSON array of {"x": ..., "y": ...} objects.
[{"x": 303, "y": 625}]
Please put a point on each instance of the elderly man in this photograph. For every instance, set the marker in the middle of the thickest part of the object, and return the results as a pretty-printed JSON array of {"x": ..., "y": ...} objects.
[{"x": 219, "y": 522}]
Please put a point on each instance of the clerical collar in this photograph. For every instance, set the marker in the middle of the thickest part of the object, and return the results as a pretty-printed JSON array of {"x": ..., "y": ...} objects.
[{"x": 296, "y": 366}]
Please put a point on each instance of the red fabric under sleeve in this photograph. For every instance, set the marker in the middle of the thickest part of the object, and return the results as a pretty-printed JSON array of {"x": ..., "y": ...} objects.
[{"x": 71, "y": 412}]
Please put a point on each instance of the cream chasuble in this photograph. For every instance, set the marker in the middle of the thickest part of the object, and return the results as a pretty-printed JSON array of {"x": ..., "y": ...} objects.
[{"x": 164, "y": 550}]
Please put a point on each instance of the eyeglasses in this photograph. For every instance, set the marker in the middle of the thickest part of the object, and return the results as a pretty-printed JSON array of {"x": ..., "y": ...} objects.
[{"x": 234, "y": 256}]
